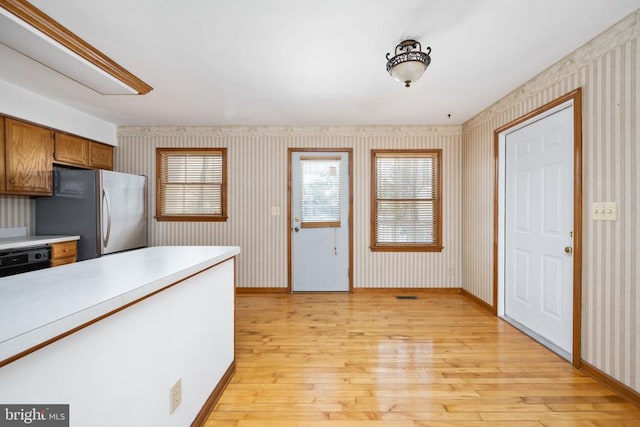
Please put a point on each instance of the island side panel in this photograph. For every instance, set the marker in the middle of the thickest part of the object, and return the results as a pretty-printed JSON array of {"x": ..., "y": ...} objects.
[{"x": 118, "y": 371}]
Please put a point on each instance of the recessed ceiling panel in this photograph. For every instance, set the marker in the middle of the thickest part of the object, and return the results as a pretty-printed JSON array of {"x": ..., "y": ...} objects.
[{"x": 23, "y": 38}]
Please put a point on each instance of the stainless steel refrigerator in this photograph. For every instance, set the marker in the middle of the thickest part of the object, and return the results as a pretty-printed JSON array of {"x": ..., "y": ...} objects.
[{"x": 108, "y": 210}]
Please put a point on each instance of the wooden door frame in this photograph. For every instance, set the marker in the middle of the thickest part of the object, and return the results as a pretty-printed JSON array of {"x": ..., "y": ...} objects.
[
  {"x": 289, "y": 199},
  {"x": 576, "y": 97}
]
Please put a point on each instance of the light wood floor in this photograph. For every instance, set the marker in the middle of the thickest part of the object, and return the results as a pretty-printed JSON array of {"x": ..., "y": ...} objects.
[{"x": 343, "y": 360}]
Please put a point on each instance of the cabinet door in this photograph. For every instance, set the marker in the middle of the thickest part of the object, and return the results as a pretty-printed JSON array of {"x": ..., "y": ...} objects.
[
  {"x": 63, "y": 253},
  {"x": 28, "y": 158},
  {"x": 101, "y": 156},
  {"x": 72, "y": 149},
  {"x": 2, "y": 159}
]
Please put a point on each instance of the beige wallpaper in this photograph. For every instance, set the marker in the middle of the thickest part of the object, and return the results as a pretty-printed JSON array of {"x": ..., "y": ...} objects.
[
  {"x": 257, "y": 167},
  {"x": 607, "y": 69},
  {"x": 17, "y": 211}
]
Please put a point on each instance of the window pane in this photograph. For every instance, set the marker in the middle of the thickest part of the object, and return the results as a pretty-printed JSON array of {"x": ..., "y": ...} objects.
[
  {"x": 192, "y": 200},
  {"x": 405, "y": 222},
  {"x": 405, "y": 178},
  {"x": 320, "y": 190}
]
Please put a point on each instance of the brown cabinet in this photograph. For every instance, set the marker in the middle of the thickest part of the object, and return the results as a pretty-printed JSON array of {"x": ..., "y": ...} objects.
[
  {"x": 28, "y": 157},
  {"x": 100, "y": 156},
  {"x": 77, "y": 151},
  {"x": 72, "y": 149},
  {"x": 64, "y": 253},
  {"x": 2, "y": 159},
  {"x": 27, "y": 153}
]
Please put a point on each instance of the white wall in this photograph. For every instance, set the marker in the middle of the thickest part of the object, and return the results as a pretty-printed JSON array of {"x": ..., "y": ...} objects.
[
  {"x": 118, "y": 371},
  {"x": 21, "y": 103}
]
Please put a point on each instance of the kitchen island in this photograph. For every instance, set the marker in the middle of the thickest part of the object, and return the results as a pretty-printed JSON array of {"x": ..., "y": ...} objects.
[{"x": 111, "y": 335}]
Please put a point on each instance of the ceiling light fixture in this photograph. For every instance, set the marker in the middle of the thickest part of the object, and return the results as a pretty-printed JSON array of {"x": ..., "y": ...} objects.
[
  {"x": 409, "y": 62},
  {"x": 28, "y": 30}
]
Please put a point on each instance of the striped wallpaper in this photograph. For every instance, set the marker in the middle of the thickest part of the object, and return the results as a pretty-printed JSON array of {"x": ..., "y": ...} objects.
[
  {"x": 257, "y": 180},
  {"x": 607, "y": 69},
  {"x": 17, "y": 211}
]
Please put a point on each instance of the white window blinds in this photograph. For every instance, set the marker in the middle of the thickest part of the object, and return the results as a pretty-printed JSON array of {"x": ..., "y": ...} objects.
[
  {"x": 320, "y": 191},
  {"x": 407, "y": 201},
  {"x": 191, "y": 183}
]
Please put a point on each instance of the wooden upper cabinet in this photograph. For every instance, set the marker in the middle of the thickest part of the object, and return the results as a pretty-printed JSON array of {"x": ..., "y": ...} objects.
[
  {"x": 28, "y": 158},
  {"x": 2, "y": 160},
  {"x": 100, "y": 156},
  {"x": 77, "y": 151},
  {"x": 72, "y": 149}
]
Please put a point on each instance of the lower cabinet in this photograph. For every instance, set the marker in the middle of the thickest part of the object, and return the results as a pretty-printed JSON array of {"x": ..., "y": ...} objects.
[{"x": 64, "y": 253}]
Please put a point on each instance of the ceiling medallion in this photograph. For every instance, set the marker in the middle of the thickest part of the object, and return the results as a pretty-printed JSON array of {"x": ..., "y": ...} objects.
[{"x": 409, "y": 62}]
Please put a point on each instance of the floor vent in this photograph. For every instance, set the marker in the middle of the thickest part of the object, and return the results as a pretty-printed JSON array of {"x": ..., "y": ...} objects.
[{"x": 406, "y": 297}]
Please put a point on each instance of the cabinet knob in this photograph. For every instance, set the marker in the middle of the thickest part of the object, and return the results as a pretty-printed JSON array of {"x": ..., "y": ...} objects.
[{"x": 12, "y": 181}]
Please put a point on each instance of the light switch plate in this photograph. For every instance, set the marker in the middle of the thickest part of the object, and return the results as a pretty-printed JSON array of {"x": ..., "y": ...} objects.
[{"x": 604, "y": 211}]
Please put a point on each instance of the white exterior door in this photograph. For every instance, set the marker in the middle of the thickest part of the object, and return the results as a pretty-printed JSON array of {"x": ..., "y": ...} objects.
[
  {"x": 320, "y": 221},
  {"x": 539, "y": 228}
]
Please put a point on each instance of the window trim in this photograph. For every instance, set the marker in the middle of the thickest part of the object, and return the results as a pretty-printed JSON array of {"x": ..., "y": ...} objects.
[
  {"x": 406, "y": 247},
  {"x": 159, "y": 187}
]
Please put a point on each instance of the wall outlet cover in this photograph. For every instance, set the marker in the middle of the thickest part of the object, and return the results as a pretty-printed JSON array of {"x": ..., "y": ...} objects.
[{"x": 175, "y": 396}]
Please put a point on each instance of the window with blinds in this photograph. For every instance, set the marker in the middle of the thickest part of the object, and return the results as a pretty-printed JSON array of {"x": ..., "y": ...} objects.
[
  {"x": 320, "y": 192},
  {"x": 406, "y": 200},
  {"x": 191, "y": 184}
]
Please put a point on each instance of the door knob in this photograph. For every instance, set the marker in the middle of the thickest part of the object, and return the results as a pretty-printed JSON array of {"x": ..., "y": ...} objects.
[
  {"x": 568, "y": 249},
  {"x": 296, "y": 229}
]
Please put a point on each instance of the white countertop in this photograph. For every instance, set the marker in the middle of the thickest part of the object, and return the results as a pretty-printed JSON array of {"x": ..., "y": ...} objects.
[
  {"x": 43, "y": 304},
  {"x": 26, "y": 241}
]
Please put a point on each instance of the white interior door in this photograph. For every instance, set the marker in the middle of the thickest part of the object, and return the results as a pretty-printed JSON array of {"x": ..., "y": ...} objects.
[
  {"x": 320, "y": 221},
  {"x": 539, "y": 228}
]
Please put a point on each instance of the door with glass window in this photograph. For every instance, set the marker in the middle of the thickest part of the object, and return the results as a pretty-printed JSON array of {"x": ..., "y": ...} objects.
[{"x": 319, "y": 218}]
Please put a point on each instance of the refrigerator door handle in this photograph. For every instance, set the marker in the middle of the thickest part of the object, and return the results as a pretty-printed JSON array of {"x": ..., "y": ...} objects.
[{"x": 105, "y": 236}]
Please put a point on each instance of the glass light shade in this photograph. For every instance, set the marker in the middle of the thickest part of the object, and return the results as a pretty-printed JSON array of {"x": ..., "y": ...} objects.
[{"x": 408, "y": 72}]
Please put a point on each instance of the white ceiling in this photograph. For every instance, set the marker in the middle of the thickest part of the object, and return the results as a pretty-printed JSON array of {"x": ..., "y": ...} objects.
[{"x": 311, "y": 62}]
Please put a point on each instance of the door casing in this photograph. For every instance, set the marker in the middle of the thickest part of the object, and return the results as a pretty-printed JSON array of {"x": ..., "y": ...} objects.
[
  {"x": 574, "y": 97},
  {"x": 289, "y": 210}
]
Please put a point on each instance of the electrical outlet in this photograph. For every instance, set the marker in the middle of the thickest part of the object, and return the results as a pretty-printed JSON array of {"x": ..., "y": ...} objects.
[
  {"x": 175, "y": 396},
  {"x": 275, "y": 210},
  {"x": 604, "y": 211}
]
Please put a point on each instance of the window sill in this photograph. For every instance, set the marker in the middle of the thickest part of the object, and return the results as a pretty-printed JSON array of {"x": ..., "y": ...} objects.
[
  {"x": 405, "y": 248},
  {"x": 192, "y": 218}
]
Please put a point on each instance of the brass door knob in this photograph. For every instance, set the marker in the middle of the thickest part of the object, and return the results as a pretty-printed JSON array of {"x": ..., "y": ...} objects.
[{"x": 568, "y": 249}]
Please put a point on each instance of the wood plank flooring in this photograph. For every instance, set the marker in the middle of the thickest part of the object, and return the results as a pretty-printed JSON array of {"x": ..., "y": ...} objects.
[{"x": 341, "y": 360}]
